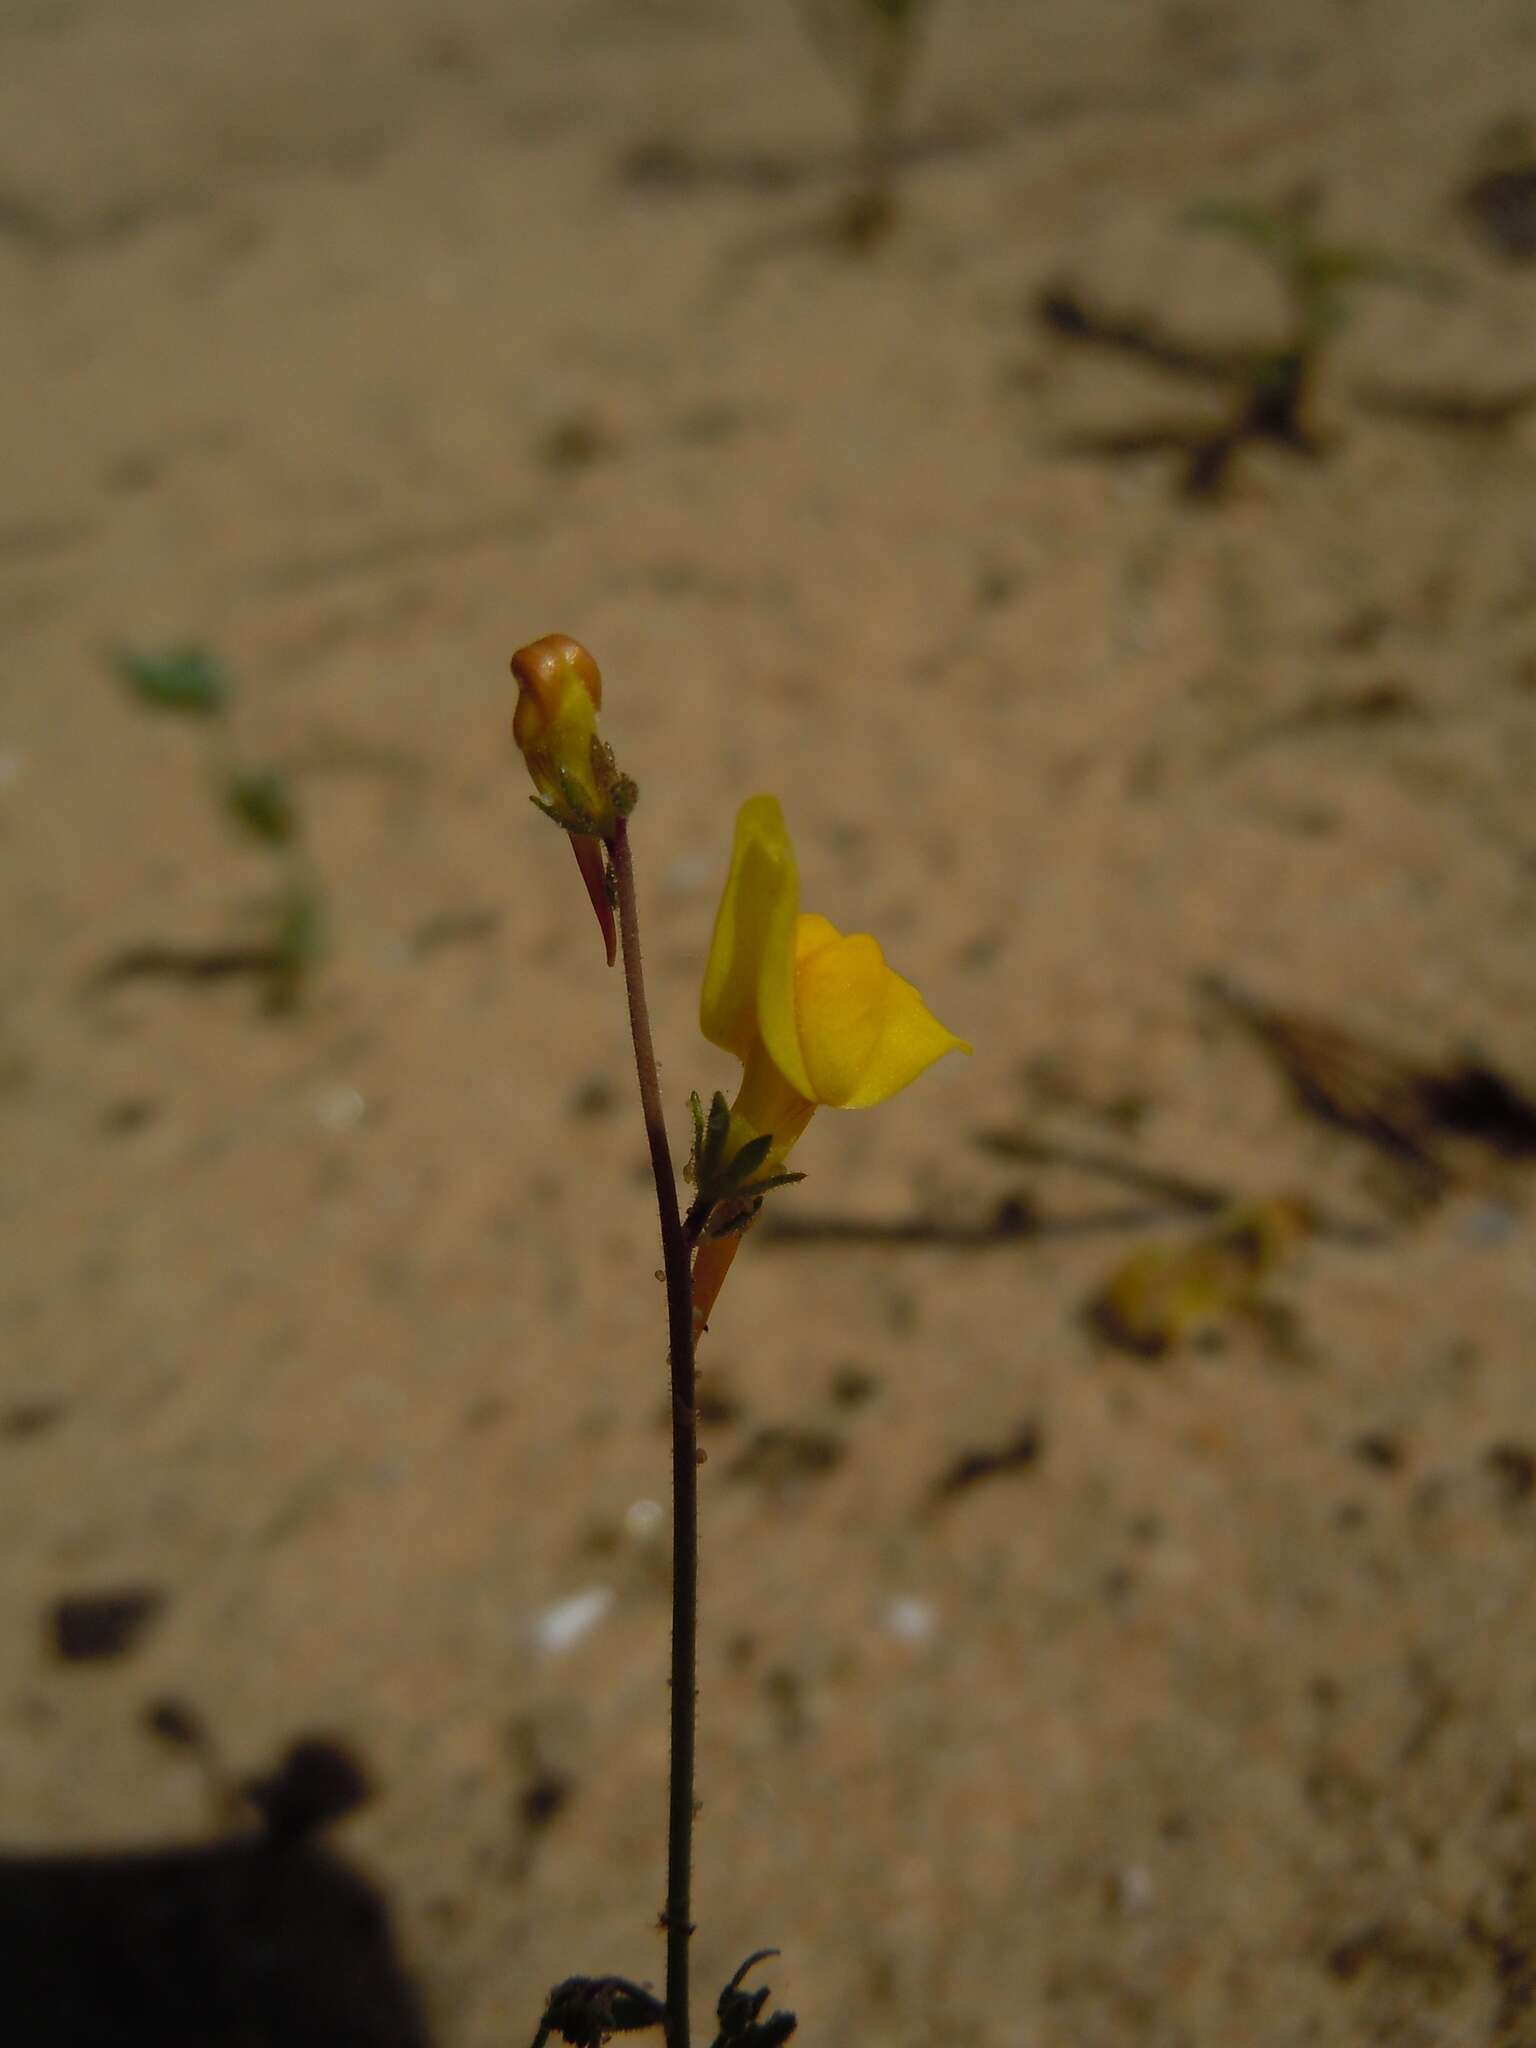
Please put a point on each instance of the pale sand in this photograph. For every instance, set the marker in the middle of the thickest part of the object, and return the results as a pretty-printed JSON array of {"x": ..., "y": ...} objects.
[{"x": 295, "y": 298}]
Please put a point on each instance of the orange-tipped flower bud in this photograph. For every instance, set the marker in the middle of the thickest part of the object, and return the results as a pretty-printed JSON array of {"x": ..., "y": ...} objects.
[{"x": 559, "y": 692}]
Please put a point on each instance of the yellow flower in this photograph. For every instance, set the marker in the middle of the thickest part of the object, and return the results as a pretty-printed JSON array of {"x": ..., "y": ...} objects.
[{"x": 816, "y": 1018}]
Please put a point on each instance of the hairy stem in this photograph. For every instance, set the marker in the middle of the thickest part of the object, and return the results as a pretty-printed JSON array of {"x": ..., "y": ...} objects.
[{"x": 685, "y": 1467}]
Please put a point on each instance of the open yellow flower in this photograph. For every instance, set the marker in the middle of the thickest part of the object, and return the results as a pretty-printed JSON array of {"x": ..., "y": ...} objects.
[{"x": 816, "y": 1018}]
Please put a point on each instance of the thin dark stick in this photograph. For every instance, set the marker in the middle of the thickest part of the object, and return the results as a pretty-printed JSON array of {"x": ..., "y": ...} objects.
[{"x": 685, "y": 1466}]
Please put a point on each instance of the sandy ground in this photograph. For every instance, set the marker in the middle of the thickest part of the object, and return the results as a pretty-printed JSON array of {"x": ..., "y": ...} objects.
[{"x": 364, "y": 342}]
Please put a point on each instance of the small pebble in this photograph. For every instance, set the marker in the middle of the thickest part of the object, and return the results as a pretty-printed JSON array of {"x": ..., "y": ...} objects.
[
  {"x": 562, "y": 1625},
  {"x": 1490, "y": 1223},
  {"x": 909, "y": 1620},
  {"x": 339, "y": 1109},
  {"x": 644, "y": 1520}
]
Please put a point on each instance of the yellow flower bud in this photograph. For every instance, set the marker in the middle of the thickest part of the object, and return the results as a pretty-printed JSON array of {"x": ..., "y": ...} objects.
[{"x": 559, "y": 694}]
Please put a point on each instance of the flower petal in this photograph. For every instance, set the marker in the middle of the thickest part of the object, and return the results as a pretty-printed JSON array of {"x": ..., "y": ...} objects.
[
  {"x": 864, "y": 1032},
  {"x": 749, "y": 981},
  {"x": 812, "y": 933}
]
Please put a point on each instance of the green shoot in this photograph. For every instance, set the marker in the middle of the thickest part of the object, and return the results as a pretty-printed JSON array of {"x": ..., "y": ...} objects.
[
  {"x": 259, "y": 801},
  {"x": 871, "y": 47},
  {"x": 189, "y": 680}
]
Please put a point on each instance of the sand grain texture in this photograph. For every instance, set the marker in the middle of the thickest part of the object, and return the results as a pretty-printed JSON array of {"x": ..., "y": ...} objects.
[{"x": 367, "y": 342}]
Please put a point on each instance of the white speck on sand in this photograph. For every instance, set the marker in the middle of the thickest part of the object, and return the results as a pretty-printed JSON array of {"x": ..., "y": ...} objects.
[{"x": 562, "y": 1625}]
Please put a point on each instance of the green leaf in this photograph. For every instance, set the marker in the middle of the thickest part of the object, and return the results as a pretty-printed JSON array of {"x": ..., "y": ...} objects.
[
  {"x": 262, "y": 801},
  {"x": 190, "y": 680}
]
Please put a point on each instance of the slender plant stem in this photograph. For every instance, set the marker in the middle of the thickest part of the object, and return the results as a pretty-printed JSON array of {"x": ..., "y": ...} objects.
[{"x": 685, "y": 1465}]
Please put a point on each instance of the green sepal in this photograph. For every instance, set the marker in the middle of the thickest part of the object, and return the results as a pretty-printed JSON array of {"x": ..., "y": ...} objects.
[
  {"x": 621, "y": 791},
  {"x": 735, "y": 1174},
  {"x": 722, "y": 1179},
  {"x": 570, "y": 815},
  {"x": 737, "y": 1219},
  {"x": 710, "y": 1135},
  {"x": 740, "y": 1210},
  {"x": 759, "y": 1188},
  {"x": 696, "y": 1111},
  {"x": 718, "y": 1127},
  {"x": 573, "y": 809}
]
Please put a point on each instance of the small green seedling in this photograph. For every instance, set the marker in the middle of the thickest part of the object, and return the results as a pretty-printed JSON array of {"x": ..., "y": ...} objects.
[
  {"x": 1321, "y": 280},
  {"x": 872, "y": 47},
  {"x": 259, "y": 801},
  {"x": 1272, "y": 382},
  {"x": 186, "y": 679}
]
